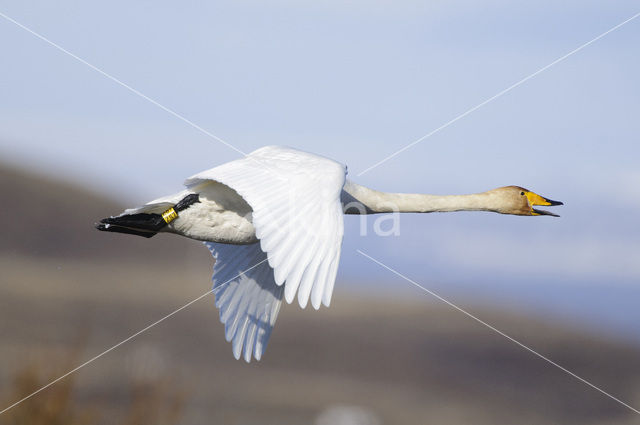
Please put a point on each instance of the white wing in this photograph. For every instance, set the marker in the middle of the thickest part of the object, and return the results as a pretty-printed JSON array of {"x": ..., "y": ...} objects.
[
  {"x": 247, "y": 296},
  {"x": 295, "y": 197}
]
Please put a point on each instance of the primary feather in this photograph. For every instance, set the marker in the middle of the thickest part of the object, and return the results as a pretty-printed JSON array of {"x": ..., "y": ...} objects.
[{"x": 247, "y": 296}]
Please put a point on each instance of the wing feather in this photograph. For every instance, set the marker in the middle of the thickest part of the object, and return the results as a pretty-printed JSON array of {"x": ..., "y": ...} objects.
[
  {"x": 247, "y": 296},
  {"x": 306, "y": 274},
  {"x": 333, "y": 269},
  {"x": 292, "y": 249}
]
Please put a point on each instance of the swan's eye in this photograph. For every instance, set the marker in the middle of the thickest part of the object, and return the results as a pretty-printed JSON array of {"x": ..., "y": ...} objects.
[{"x": 522, "y": 193}]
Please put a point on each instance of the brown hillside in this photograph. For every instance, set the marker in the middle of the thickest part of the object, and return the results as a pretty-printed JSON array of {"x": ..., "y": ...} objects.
[{"x": 44, "y": 217}]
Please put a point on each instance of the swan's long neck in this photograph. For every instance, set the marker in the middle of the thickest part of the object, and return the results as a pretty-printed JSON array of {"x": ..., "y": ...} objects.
[{"x": 357, "y": 199}]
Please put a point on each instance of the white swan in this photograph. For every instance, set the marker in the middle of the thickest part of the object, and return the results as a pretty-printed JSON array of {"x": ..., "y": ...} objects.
[{"x": 274, "y": 223}]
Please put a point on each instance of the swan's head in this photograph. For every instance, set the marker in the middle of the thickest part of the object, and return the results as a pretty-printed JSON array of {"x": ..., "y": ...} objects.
[{"x": 520, "y": 201}]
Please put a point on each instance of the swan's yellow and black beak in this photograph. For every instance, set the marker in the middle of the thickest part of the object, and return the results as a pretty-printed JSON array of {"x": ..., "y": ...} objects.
[{"x": 535, "y": 199}]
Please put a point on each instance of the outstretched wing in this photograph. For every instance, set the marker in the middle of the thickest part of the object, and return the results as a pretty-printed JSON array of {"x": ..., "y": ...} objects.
[
  {"x": 247, "y": 296},
  {"x": 295, "y": 197}
]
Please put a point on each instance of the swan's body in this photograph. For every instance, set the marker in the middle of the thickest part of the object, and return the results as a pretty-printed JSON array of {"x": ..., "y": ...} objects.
[
  {"x": 274, "y": 223},
  {"x": 221, "y": 215}
]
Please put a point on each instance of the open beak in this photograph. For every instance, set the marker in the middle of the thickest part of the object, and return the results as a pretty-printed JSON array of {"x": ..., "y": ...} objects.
[{"x": 535, "y": 199}]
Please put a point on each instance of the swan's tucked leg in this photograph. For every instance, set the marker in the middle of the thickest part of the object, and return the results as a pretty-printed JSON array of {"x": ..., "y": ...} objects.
[{"x": 144, "y": 223}]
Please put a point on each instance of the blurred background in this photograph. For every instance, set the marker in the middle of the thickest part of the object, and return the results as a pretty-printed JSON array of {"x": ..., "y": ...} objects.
[{"x": 354, "y": 81}]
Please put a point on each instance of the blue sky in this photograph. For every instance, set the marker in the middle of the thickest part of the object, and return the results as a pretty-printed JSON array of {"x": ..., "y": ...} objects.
[{"x": 355, "y": 81}]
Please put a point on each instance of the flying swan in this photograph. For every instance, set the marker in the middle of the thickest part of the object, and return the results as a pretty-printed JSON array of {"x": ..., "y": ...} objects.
[{"x": 273, "y": 221}]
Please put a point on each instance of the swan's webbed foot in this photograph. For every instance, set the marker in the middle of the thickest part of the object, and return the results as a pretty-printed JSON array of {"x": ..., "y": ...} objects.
[
  {"x": 146, "y": 224},
  {"x": 139, "y": 221},
  {"x": 141, "y": 224},
  {"x": 125, "y": 230}
]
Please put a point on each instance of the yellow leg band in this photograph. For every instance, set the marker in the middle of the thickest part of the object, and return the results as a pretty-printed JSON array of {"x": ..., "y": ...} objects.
[{"x": 169, "y": 215}]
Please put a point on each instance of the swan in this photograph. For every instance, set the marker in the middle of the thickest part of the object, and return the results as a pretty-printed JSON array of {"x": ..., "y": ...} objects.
[{"x": 273, "y": 221}]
